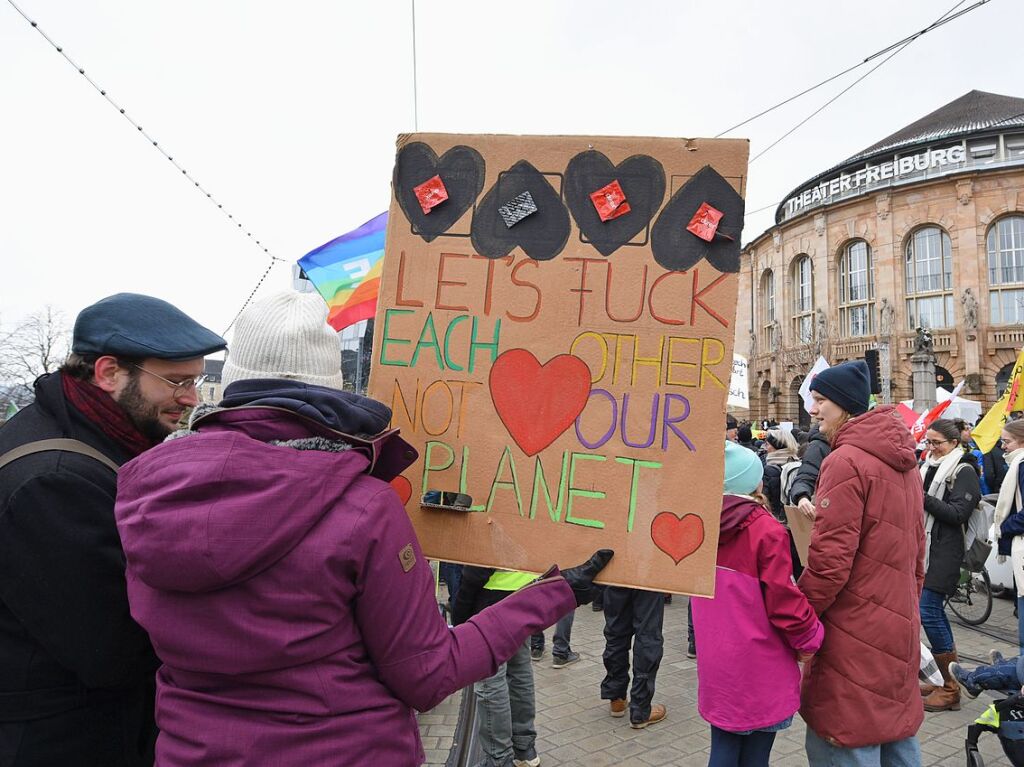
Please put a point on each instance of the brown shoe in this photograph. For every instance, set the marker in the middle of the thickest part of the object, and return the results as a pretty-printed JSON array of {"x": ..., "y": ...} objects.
[
  {"x": 927, "y": 689},
  {"x": 617, "y": 707},
  {"x": 658, "y": 712},
  {"x": 947, "y": 697}
]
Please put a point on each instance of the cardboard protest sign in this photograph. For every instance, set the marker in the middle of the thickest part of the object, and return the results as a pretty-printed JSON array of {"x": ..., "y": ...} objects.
[
  {"x": 739, "y": 394},
  {"x": 557, "y": 343},
  {"x": 801, "y": 527}
]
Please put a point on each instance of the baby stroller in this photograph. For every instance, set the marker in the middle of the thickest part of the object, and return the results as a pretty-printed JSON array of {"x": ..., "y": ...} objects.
[{"x": 1006, "y": 719}]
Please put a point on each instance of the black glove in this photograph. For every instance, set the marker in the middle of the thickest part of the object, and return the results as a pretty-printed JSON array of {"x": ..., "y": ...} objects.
[{"x": 581, "y": 577}]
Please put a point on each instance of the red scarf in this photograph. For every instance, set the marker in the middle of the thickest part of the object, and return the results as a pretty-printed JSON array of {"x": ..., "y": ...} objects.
[{"x": 103, "y": 411}]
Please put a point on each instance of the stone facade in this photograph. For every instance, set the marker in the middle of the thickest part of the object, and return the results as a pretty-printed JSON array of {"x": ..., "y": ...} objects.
[{"x": 963, "y": 205}]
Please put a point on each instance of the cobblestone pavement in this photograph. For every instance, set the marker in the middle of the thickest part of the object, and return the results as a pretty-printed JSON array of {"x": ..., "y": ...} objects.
[{"x": 575, "y": 730}]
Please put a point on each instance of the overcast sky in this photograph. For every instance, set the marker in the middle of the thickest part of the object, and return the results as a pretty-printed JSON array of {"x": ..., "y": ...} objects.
[{"x": 288, "y": 112}]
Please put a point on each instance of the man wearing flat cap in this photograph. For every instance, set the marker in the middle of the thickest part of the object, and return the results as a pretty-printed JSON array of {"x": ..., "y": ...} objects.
[{"x": 76, "y": 672}]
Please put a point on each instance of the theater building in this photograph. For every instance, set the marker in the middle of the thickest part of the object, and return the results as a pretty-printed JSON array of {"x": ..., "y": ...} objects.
[{"x": 923, "y": 228}]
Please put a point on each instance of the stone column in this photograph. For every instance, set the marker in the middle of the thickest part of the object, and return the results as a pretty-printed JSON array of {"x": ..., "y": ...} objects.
[{"x": 922, "y": 366}]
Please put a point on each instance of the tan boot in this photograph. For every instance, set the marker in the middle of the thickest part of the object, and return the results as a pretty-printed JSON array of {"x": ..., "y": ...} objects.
[
  {"x": 947, "y": 697},
  {"x": 927, "y": 689}
]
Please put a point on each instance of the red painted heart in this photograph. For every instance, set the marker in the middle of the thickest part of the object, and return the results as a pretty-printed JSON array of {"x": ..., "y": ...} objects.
[
  {"x": 403, "y": 487},
  {"x": 538, "y": 402},
  {"x": 678, "y": 537}
]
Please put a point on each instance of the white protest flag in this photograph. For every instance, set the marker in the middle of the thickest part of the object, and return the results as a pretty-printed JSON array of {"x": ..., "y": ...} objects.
[
  {"x": 739, "y": 396},
  {"x": 805, "y": 387}
]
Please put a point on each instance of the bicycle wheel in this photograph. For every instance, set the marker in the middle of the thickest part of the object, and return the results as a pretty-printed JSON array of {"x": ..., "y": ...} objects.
[{"x": 972, "y": 600}]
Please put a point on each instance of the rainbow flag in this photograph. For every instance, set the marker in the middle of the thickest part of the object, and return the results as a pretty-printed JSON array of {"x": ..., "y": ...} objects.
[{"x": 346, "y": 272}]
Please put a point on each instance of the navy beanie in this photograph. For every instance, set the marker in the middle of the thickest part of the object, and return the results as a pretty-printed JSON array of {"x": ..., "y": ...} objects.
[
  {"x": 133, "y": 325},
  {"x": 848, "y": 385}
]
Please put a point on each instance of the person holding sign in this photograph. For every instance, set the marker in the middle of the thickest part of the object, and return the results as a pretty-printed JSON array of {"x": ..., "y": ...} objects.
[
  {"x": 864, "y": 574},
  {"x": 279, "y": 576},
  {"x": 757, "y": 614}
]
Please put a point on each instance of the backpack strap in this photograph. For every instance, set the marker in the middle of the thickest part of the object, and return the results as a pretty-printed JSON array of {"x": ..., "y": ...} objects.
[{"x": 62, "y": 445}]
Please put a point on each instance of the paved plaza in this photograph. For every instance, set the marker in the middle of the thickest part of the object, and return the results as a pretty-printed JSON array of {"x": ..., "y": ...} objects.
[{"x": 575, "y": 730}]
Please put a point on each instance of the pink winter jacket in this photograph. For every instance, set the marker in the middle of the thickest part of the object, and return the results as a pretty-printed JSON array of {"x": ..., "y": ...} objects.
[{"x": 749, "y": 633}]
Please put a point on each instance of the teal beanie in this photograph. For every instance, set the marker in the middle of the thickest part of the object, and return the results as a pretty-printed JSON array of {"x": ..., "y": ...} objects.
[{"x": 743, "y": 470}]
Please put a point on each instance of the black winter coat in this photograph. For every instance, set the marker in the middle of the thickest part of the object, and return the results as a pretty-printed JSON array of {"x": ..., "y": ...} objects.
[
  {"x": 806, "y": 480},
  {"x": 994, "y": 467},
  {"x": 951, "y": 514},
  {"x": 773, "y": 490},
  {"x": 76, "y": 672},
  {"x": 472, "y": 597}
]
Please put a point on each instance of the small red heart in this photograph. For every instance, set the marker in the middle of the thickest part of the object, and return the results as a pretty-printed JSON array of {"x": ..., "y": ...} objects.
[
  {"x": 403, "y": 487},
  {"x": 538, "y": 402},
  {"x": 678, "y": 537}
]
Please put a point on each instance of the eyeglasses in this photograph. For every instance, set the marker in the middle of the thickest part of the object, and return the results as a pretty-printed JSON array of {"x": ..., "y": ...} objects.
[
  {"x": 181, "y": 388},
  {"x": 937, "y": 442}
]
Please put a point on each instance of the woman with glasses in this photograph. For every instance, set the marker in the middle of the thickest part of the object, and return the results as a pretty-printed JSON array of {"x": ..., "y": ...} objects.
[
  {"x": 1009, "y": 516},
  {"x": 951, "y": 492}
]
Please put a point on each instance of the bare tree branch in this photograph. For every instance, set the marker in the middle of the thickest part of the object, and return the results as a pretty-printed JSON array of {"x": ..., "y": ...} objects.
[{"x": 38, "y": 344}]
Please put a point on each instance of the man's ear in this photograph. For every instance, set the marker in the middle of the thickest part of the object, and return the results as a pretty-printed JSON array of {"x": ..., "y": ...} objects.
[{"x": 105, "y": 372}]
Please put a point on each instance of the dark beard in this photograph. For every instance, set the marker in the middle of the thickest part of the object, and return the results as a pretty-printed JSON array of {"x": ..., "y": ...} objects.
[{"x": 143, "y": 415}]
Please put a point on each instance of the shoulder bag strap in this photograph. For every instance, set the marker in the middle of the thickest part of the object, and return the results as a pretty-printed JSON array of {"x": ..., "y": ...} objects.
[{"x": 63, "y": 445}]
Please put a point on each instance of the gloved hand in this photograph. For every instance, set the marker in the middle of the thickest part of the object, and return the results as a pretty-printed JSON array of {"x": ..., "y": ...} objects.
[{"x": 581, "y": 577}]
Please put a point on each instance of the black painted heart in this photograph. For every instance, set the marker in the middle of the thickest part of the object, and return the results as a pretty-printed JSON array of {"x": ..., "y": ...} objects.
[
  {"x": 676, "y": 248},
  {"x": 461, "y": 169},
  {"x": 643, "y": 182},
  {"x": 541, "y": 234}
]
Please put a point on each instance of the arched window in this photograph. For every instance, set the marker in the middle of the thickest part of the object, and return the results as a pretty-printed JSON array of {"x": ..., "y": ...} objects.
[
  {"x": 856, "y": 290},
  {"x": 929, "y": 279},
  {"x": 803, "y": 300},
  {"x": 1006, "y": 270},
  {"x": 769, "y": 326}
]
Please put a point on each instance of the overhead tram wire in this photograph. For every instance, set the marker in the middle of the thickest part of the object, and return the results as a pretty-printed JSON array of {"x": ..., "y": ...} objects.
[
  {"x": 273, "y": 259},
  {"x": 909, "y": 39},
  {"x": 944, "y": 19}
]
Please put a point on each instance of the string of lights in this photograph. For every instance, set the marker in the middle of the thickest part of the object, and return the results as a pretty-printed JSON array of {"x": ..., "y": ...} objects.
[{"x": 156, "y": 145}]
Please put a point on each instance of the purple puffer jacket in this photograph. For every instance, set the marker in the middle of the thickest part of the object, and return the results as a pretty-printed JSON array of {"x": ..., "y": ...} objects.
[{"x": 288, "y": 598}]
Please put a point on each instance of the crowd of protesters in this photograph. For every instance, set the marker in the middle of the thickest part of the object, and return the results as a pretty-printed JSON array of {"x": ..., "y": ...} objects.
[{"x": 246, "y": 588}]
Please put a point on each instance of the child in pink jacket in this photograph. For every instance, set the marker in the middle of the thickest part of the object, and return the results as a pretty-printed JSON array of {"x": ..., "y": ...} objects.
[{"x": 755, "y": 630}]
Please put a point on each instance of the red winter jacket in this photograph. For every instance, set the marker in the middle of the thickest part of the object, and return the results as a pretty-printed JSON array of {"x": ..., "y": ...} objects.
[{"x": 864, "y": 576}]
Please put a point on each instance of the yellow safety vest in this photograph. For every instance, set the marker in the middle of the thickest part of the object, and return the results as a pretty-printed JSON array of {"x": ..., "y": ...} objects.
[{"x": 509, "y": 580}]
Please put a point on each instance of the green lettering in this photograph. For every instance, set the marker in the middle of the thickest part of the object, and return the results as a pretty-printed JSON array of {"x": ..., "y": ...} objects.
[
  {"x": 462, "y": 477},
  {"x": 447, "y": 337},
  {"x": 428, "y": 325},
  {"x": 634, "y": 483},
  {"x": 428, "y": 466},
  {"x": 496, "y": 484},
  {"x": 579, "y": 492},
  {"x": 540, "y": 481},
  {"x": 386, "y": 339},
  {"x": 474, "y": 345}
]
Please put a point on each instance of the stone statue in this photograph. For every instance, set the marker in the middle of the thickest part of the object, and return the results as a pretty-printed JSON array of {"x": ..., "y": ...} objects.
[
  {"x": 970, "y": 304},
  {"x": 820, "y": 325},
  {"x": 887, "y": 318},
  {"x": 923, "y": 343},
  {"x": 776, "y": 335},
  {"x": 753, "y": 343}
]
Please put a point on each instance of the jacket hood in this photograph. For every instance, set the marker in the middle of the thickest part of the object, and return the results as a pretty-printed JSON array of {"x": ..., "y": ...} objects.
[
  {"x": 341, "y": 411},
  {"x": 737, "y": 513},
  {"x": 214, "y": 509},
  {"x": 882, "y": 433}
]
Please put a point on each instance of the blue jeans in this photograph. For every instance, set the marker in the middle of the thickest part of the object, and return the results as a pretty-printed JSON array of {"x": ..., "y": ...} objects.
[
  {"x": 899, "y": 753},
  {"x": 505, "y": 707},
  {"x": 934, "y": 621},
  {"x": 560, "y": 644},
  {"x": 731, "y": 750},
  {"x": 998, "y": 676}
]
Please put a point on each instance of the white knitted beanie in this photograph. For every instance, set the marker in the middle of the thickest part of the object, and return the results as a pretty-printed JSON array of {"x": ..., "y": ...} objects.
[{"x": 285, "y": 335}]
